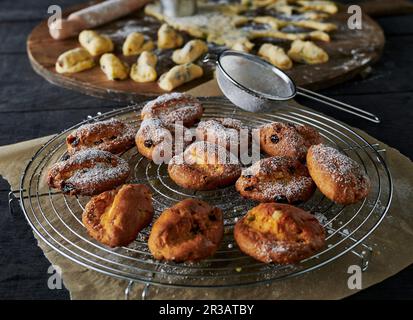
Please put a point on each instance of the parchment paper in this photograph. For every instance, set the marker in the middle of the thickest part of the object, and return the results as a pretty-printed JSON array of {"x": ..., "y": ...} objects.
[{"x": 391, "y": 243}]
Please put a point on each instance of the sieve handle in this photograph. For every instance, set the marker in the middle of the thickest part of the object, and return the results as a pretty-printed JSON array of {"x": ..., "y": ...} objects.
[{"x": 338, "y": 105}]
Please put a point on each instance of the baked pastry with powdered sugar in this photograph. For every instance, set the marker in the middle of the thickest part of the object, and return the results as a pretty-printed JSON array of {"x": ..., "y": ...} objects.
[
  {"x": 110, "y": 135},
  {"x": 88, "y": 172},
  {"x": 204, "y": 166},
  {"x": 287, "y": 139},
  {"x": 276, "y": 179},
  {"x": 223, "y": 131},
  {"x": 339, "y": 178},
  {"x": 157, "y": 140},
  {"x": 174, "y": 107}
]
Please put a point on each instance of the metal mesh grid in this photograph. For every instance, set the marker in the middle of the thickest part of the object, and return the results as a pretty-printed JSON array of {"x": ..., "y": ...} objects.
[{"x": 56, "y": 218}]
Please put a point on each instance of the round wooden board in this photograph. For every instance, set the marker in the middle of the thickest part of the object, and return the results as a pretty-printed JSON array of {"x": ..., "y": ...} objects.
[{"x": 350, "y": 52}]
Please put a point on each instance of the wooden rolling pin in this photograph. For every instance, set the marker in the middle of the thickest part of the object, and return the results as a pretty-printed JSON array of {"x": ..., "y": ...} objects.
[{"x": 92, "y": 17}]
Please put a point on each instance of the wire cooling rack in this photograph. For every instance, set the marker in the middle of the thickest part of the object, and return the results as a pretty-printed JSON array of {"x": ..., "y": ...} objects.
[{"x": 56, "y": 218}]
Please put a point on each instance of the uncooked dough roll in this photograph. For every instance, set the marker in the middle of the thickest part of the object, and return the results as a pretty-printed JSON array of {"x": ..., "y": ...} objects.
[
  {"x": 113, "y": 67},
  {"x": 144, "y": 69},
  {"x": 74, "y": 60},
  {"x": 276, "y": 56},
  {"x": 179, "y": 75},
  {"x": 135, "y": 44},
  {"x": 191, "y": 51},
  {"x": 168, "y": 38},
  {"x": 95, "y": 43}
]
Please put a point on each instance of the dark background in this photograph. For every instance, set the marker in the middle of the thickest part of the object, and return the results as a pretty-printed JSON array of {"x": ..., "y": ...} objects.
[{"x": 30, "y": 107}]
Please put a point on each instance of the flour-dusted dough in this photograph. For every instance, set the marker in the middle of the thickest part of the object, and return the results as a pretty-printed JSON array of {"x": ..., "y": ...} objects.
[
  {"x": 276, "y": 56},
  {"x": 179, "y": 75},
  {"x": 191, "y": 51},
  {"x": 144, "y": 70},
  {"x": 135, "y": 44},
  {"x": 168, "y": 38},
  {"x": 74, "y": 60},
  {"x": 95, "y": 43},
  {"x": 307, "y": 52},
  {"x": 323, "y": 6},
  {"x": 113, "y": 67}
]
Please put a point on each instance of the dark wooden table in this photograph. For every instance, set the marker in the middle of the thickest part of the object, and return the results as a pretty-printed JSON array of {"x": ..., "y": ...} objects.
[{"x": 30, "y": 107}]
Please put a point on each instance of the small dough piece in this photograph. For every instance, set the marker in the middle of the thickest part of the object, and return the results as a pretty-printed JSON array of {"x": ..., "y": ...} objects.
[
  {"x": 307, "y": 52},
  {"x": 191, "y": 51},
  {"x": 276, "y": 56},
  {"x": 95, "y": 43},
  {"x": 168, "y": 38},
  {"x": 75, "y": 60},
  {"x": 277, "y": 35},
  {"x": 274, "y": 23},
  {"x": 135, "y": 44},
  {"x": 339, "y": 178},
  {"x": 179, "y": 75},
  {"x": 320, "y": 36},
  {"x": 317, "y": 25},
  {"x": 323, "y": 6},
  {"x": 243, "y": 46},
  {"x": 113, "y": 67},
  {"x": 144, "y": 70},
  {"x": 116, "y": 217}
]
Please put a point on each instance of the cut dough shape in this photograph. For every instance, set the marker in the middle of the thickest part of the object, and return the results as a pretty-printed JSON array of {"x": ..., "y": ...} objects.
[
  {"x": 307, "y": 52},
  {"x": 144, "y": 70},
  {"x": 191, "y": 51},
  {"x": 113, "y": 67},
  {"x": 95, "y": 43},
  {"x": 276, "y": 56},
  {"x": 74, "y": 60},
  {"x": 179, "y": 75},
  {"x": 135, "y": 44},
  {"x": 168, "y": 38}
]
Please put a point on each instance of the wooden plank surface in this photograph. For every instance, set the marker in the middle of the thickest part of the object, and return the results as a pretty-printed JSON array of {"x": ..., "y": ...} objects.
[
  {"x": 350, "y": 51},
  {"x": 30, "y": 107}
]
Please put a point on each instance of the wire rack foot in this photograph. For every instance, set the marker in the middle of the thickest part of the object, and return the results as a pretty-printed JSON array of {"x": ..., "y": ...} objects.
[
  {"x": 364, "y": 255},
  {"x": 145, "y": 291},
  {"x": 12, "y": 199}
]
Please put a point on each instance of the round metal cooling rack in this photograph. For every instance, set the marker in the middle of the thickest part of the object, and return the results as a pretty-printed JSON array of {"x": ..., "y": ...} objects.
[{"x": 56, "y": 218}]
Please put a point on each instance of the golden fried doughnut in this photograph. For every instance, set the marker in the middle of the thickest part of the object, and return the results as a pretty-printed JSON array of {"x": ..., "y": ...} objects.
[
  {"x": 204, "y": 166},
  {"x": 191, "y": 230},
  {"x": 222, "y": 131},
  {"x": 115, "y": 217},
  {"x": 287, "y": 139},
  {"x": 88, "y": 172},
  {"x": 276, "y": 179},
  {"x": 279, "y": 233},
  {"x": 338, "y": 177},
  {"x": 111, "y": 135},
  {"x": 173, "y": 107},
  {"x": 156, "y": 140}
]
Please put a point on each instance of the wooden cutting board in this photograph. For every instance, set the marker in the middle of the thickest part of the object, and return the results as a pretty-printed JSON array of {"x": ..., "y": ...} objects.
[{"x": 350, "y": 52}]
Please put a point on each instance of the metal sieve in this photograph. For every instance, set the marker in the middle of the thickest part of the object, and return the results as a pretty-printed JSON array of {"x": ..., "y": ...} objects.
[{"x": 255, "y": 85}]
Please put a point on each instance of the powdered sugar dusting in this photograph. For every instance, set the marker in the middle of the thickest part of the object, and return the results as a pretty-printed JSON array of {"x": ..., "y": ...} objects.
[{"x": 341, "y": 168}]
